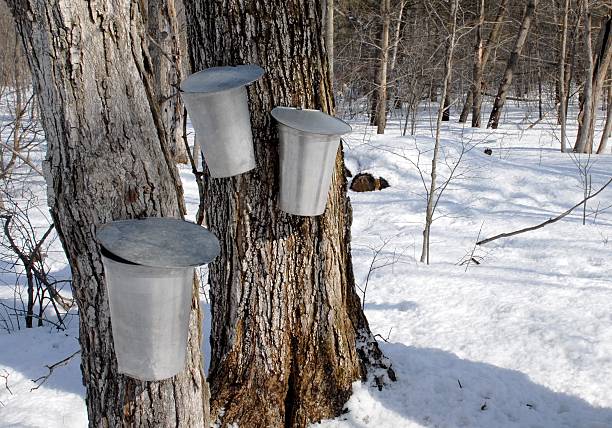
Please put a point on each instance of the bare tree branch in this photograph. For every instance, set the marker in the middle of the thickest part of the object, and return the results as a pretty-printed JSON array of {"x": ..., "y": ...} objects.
[{"x": 547, "y": 222}]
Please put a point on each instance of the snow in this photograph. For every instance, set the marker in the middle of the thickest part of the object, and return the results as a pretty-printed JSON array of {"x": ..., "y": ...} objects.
[{"x": 522, "y": 339}]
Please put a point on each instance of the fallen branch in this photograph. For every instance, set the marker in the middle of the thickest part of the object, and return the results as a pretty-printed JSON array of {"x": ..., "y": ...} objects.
[
  {"x": 52, "y": 367},
  {"x": 5, "y": 377},
  {"x": 547, "y": 222}
]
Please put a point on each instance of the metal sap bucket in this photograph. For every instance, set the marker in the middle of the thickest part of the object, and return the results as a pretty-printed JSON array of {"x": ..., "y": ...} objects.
[
  {"x": 149, "y": 267},
  {"x": 217, "y": 103},
  {"x": 309, "y": 141}
]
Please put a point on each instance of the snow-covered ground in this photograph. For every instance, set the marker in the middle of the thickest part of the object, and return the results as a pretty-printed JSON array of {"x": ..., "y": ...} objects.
[{"x": 522, "y": 339}]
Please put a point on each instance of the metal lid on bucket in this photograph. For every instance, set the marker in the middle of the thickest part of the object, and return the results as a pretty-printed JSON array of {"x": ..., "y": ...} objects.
[
  {"x": 310, "y": 121},
  {"x": 217, "y": 79},
  {"x": 159, "y": 242}
]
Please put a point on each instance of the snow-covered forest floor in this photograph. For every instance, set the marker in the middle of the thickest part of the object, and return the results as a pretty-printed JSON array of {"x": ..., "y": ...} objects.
[{"x": 521, "y": 336}]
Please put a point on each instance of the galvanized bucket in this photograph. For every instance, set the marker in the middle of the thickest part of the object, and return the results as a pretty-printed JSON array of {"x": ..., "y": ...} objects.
[
  {"x": 149, "y": 267},
  {"x": 217, "y": 103},
  {"x": 309, "y": 142}
]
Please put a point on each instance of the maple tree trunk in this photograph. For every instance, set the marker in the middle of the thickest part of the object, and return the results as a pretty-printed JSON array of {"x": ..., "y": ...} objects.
[
  {"x": 107, "y": 159},
  {"x": 288, "y": 332},
  {"x": 167, "y": 61}
]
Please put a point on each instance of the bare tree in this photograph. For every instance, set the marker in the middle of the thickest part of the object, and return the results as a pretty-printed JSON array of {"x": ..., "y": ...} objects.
[
  {"x": 329, "y": 34},
  {"x": 598, "y": 62},
  {"x": 562, "y": 87},
  {"x": 431, "y": 197},
  {"x": 603, "y": 144},
  {"x": 381, "y": 114},
  {"x": 481, "y": 58},
  {"x": 511, "y": 65},
  {"x": 476, "y": 89},
  {"x": 584, "y": 117}
]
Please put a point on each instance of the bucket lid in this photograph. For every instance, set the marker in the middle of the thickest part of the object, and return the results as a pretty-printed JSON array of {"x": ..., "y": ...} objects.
[
  {"x": 159, "y": 242},
  {"x": 217, "y": 79},
  {"x": 311, "y": 121}
]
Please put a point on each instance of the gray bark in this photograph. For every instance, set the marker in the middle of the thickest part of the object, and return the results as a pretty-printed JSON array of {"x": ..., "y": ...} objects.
[
  {"x": 167, "y": 62},
  {"x": 561, "y": 82},
  {"x": 474, "y": 100},
  {"x": 107, "y": 159},
  {"x": 329, "y": 34},
  {"x": 381, "y": 113},
  {"x": 598, "y": 63},
  {"x": 288, "y": 333},
  {"x": 477, "y": 70},
  {"x": 511, "y": 65},
  {"x": 584, "y": 117},
  {"x": 603, "y": 143}
]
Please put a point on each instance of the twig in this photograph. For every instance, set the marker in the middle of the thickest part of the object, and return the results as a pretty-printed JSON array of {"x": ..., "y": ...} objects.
[
  {"x": 52, "y": 367},
  {"x": 23, "y": 158},
  {"x": 474, "y": 249},
  {"x": 199, "y": 175},
  {"x": 60, "y": 326},
  {"x": 5, "y": 377},
  {"x": 383, "y": 338},
  {"x": 547, "y": 222}
]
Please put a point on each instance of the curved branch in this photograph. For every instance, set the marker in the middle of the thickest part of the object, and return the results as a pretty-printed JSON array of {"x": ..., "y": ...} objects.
[{"x": 547, "y": 222}]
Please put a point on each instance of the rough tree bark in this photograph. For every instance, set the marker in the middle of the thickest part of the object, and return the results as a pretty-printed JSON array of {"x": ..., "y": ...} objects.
[
  {"x": 107, "y": 159},
  {"x": 167, "y": 62},
  {"x": 598, "y": 62},
  {"x": 329, "y": 34},
  {"x": 381, "y": 113},
  {"x": 288, "y": 334},
  {"x": 511, "y": 65}
]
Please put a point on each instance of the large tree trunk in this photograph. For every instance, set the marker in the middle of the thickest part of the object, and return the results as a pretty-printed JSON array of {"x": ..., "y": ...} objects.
[
  {"x": 329, "y": 34},
  {"x": 381, "y": 113},
  {"x": 511, "y": 65},
  {"x": 167, "y": 60},
  {"x": 107, "y": 159},
  {"x": 288, "y": 330}
]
